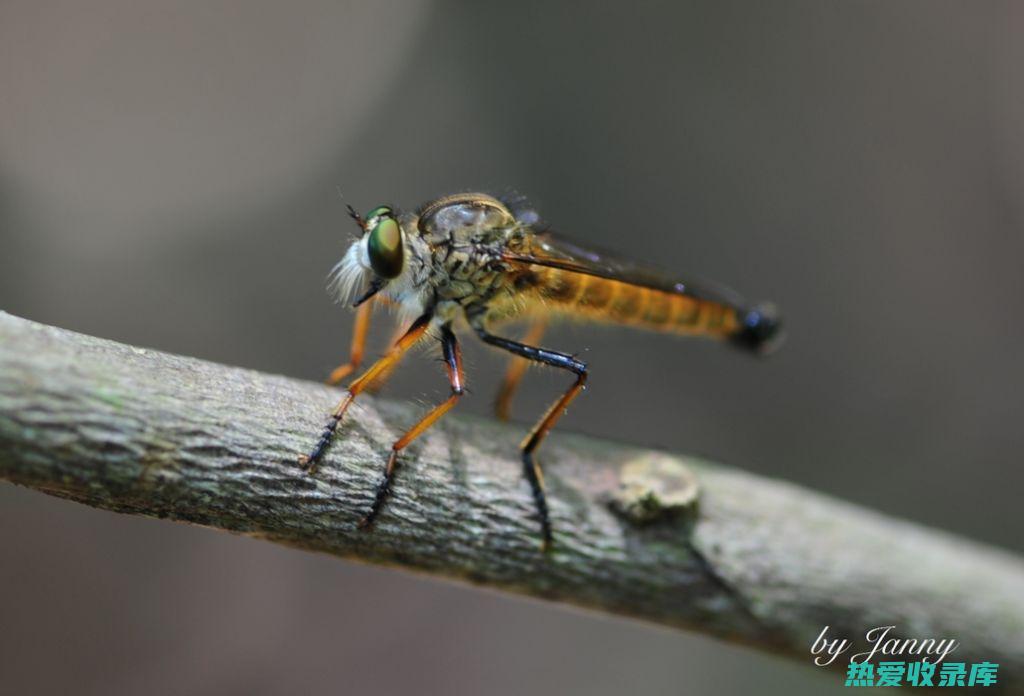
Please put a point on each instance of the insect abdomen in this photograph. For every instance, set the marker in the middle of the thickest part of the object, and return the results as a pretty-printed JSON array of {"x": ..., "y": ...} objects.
[{"x": 600, "y": 299}]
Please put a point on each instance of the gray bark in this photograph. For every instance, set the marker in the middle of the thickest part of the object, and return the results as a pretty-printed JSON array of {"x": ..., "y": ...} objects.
[{"x": 661, "y": 537}]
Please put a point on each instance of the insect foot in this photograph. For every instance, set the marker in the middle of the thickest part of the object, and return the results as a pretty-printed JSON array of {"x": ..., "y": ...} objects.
[{"x": 309, "y": 461}]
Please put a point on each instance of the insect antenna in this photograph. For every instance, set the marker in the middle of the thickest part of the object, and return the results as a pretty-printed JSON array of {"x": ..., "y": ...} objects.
[{"x": 355, "y": 216}]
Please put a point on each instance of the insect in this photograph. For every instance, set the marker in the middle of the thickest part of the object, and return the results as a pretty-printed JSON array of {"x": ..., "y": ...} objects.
[{"x": 471, "y": 259}]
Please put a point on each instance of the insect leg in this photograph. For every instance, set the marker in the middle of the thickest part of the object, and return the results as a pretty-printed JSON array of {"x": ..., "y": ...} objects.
[
  {"x": 514, "y": 373},
  {"x": 536, "y": 436},
  {"x": 407, "y": 341},
  {"x": 378, "y": 381},
  {"x": 359, "y": 330},
  {"x": 453, "y": 366}
]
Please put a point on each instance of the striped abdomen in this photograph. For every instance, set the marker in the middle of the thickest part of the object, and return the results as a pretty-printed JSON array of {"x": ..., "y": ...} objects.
[{"x": 599, "y": 299}]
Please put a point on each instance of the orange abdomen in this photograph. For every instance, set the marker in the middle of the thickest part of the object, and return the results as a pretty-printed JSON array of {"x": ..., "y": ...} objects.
[{"x": 599, "y": 299}]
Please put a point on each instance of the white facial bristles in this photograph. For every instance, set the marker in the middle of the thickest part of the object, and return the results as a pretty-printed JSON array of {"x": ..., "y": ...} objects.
[{"x": 349, "y": 274}]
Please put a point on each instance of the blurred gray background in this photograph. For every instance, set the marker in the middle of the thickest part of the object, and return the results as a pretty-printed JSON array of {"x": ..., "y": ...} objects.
[{"x": 169, "y": 176}]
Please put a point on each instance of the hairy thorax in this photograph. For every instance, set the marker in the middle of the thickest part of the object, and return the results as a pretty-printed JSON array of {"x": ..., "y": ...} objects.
[{"x": 456, "y": 257}]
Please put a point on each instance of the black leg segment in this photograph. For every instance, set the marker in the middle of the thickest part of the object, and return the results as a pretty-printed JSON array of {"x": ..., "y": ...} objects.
[
  {"x": 453, "y": 366},
  {"x": 531, "y": 468}
]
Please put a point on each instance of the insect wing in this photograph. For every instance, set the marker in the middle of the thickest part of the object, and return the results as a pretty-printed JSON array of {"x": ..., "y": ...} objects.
[{"x": 557, "y": 251}]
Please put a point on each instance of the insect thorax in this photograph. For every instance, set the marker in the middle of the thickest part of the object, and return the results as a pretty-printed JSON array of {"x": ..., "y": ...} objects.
[{"x": 458, "y": 248}]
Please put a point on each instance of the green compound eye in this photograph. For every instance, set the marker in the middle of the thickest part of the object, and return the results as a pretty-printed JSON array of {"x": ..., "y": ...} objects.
[
  {"x": 385, "y": 244},
  {"x": 380, "y": 211}
]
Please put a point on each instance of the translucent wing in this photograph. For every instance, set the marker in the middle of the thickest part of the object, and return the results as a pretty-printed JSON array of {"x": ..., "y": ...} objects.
[{"x": 557, "y": 251}]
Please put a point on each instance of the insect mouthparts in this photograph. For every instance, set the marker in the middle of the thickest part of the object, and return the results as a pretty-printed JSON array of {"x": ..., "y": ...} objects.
[{"x": 376, "y": 285}]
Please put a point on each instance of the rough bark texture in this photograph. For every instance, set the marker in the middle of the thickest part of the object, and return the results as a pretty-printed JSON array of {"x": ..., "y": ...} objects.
[{"x": 754, "y": 560}]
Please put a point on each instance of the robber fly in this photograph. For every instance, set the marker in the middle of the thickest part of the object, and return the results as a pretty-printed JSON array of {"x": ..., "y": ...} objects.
[{"x": 470, "y": 257}]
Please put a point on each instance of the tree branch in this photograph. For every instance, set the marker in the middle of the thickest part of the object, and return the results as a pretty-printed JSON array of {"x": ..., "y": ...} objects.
[{"x": 754, "y": 560}]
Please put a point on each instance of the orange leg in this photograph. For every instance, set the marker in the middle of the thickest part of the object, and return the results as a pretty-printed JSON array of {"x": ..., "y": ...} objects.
[
  {"x": 453, "y": 366},
  {"x": 360, "y": 328},
  {"x": 529, "y": 445},
  {"x": 531, "y": 469},
  {"x": 407, "y": 341},
  {"x": 378, "y": 382},
  {"x": 514, "y": 374}
]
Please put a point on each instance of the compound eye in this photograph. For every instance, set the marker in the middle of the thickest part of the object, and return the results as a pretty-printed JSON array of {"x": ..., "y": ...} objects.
[{"x": 385, "y": 246}]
